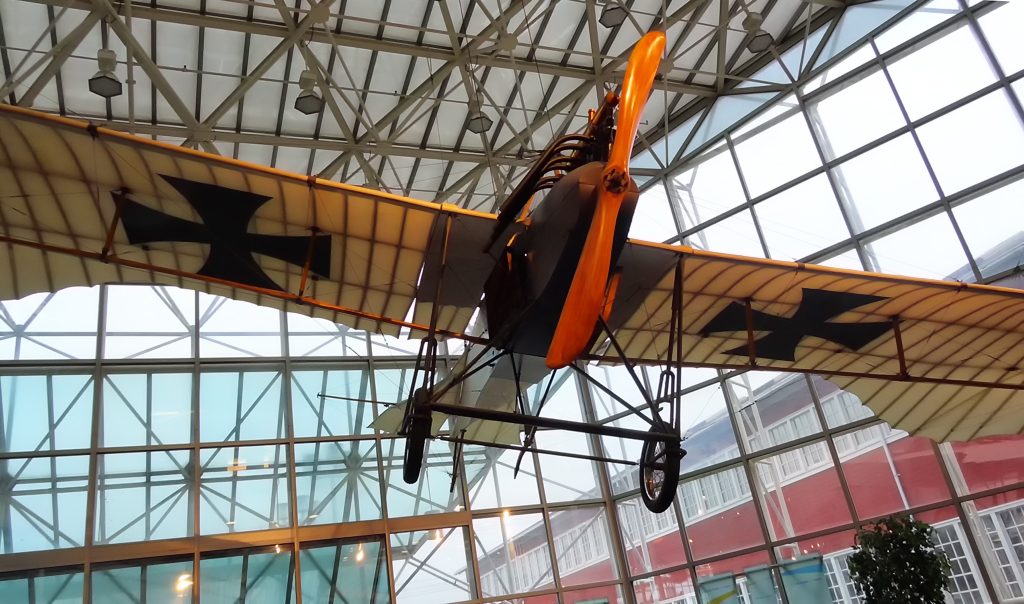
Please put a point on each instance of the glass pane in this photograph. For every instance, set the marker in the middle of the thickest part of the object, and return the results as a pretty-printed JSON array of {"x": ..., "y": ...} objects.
[
  {"x": 430, "y": 494},
  {"x": 708, "y": 436},
  {"x": 257, "y": 575},
  {"x": 389, "y": 346},
  {"x": 512, "y": 554},
  {"x": 709, "y": 188},
  {"x": 670, "y": 588},
  {"x": 55, "y": 587},
  {"x": 966, "y": 584},
  {"x": 726, "y": 111},
  {"x": 393, "y": 384},
  {"x": 773, "y": 408},
  {"x": 848, "y": 259},
  {"x": 593, "y": 595},
  {"x": 1001, "y": 522},
  {"x": 652, "y": 541},
  {"x": 789, "y": 138},
  {"x": 345, "y": 572},
  {"x": 719, "y": 513},
  {"x": 801, "y": 491},
  {"x": 888, "y": 472},
  {"x": 923, "y": 18},
  {"x": 653, "y": 219},
  {"x": 834, "y": 74},
  {"x": 728, "y": 573},
  {"x": 618, "y": 381},
  {"x": 582, "y": 545},
  {"x": 59, "y": 325},
  {"x": 431, "y": 567},
  {"x": 337, "y": 482},
  {"x": 801, "y": 220},
  {"x": 929, "y": 248},
  {"x": 160, "y": 583},
  {"x": 316, "y": 415},
  {"x": 734, "y": 235},
  {"x": 144, "y": 496},
  {"x": 231, "y": 328},
  {"x": 989, "y": 463},
  {"x": 243, "y": 489},
  {"x": 840, "y": 407},
  {"x": 566, "y": 479},
  {"x": 489, "y": 473},
  {"x": 996, "y": 142},
  {"x": 315, "y": 337},
  {"x": 1004, "y": 38},
  {"x": 886, "y": 182},
  {"x": 964, "y": 69},
  {"x": 41, "y": 413},
  {"x": 624, "y": 477},
  {"x": 46, "y": 506},
  {"x": 240, "y": 405},
  {"x": 165, "y": 330},
  {"x": 147, "y": 409},
  {"x": 857, "y": 23},
  {"x": 994, "y": 243},
  {"x": 816, "y": 570}
]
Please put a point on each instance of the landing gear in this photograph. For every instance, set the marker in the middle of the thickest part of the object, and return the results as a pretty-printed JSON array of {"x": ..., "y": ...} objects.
[{"x": 659, "y": 470}]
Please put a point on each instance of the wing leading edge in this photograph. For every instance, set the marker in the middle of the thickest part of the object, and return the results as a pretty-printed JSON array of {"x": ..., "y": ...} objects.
[
  {"x": 938, "y": 359},
  {"x": 81, "y": 205}
]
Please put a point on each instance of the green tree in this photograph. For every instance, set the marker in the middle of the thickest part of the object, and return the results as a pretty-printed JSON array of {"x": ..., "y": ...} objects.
[{"x": 896, "y": 562}]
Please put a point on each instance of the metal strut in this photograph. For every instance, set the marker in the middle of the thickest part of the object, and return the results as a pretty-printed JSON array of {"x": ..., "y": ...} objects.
[
  {"x": 629, "y": 367},
  {"x": 531, "y": 431},
  {"x": 426, "y": 356},
  {"x": 672, "y": 375}
]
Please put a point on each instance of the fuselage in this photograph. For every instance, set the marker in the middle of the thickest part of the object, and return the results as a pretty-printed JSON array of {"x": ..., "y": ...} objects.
[{"x": 526, "y": 293}]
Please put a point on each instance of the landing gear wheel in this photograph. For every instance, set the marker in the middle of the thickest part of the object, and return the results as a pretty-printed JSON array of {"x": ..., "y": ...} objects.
[
  {"x": 415, "y": 442},
  {"x": 659, "y": 471}
]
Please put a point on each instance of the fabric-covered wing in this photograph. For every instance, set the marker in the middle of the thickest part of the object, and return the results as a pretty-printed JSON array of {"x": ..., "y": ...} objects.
[
  {"x": 81, "y": 205},
  {"x": 938, "y": 359}
]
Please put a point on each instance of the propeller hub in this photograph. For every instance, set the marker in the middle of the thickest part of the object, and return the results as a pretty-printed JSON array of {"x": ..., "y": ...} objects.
[{"x": 615, "y": 179}]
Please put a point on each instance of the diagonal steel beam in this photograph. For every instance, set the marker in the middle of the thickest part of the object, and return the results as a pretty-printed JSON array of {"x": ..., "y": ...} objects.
[
  {"x": 60, "y": 54},
  {"x": 571, "y": 99},
  {"x": 403, "y": 47},
  {"x": 318, "y": 70},
  {"x": 295, "y": 33},
  {"x": 149, "y": 66},
  {"x": 468, "y": 83},
  {"x": 428, "y": 85}
]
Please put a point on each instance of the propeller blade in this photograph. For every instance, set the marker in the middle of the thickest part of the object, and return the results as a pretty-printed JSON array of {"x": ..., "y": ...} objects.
[
  {"x": 636, "y": 87},
  {"x": 586, "y": 296}
]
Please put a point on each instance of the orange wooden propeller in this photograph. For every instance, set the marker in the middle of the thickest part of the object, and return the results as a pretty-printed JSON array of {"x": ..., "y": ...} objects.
[{"x": 586, "y": 296}]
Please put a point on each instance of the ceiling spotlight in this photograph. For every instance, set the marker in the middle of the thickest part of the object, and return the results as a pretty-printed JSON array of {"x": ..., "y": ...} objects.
[
  {"x": 105, "y": 82},
  {"x": 761, "y": 42},
  {"x": 613, "y": 14},
  {"x": 477, "y": 122},
  {"x": 309, "y": 100},
  {"x": 752, "y": 23}
]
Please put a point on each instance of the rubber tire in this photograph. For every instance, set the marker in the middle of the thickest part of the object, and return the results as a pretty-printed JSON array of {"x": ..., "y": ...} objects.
[
  {"x": 662, "y": 500},
  {"x": 415, "y": 443}
]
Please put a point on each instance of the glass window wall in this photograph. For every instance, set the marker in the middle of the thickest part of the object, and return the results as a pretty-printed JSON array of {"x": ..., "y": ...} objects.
[{"x": 207, "y": 441}]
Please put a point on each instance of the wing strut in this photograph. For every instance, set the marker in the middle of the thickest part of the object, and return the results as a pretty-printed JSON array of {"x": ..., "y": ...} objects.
[{"x": 531, "y": 432}]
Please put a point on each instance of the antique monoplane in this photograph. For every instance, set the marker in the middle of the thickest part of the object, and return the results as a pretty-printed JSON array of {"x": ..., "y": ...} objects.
[{"x": 553, "y": 274}]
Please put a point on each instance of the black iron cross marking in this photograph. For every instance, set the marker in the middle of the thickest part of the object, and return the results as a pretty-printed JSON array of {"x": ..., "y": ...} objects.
[
  {"x": 225, "y": 215},
  {"x": 810, "y": 319}
]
